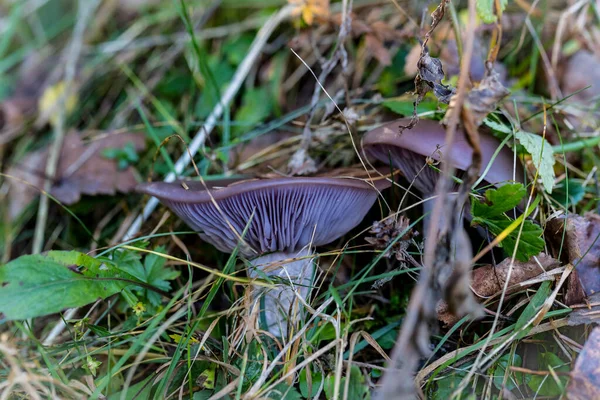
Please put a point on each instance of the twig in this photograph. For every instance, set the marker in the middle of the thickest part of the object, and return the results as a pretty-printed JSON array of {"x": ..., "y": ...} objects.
[{"x": 85, "y": 10}]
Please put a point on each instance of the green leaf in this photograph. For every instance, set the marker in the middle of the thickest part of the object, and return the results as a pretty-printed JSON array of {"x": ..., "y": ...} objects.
[
  {"x": 485, "y": 10},
  {"x": 569, "y": 192},
  {"x": 153, "y": 272},
  {"x": 35, "y": 285},
  {"x": 532, "y": 308},
  {"x": 542, "y": 156},
  {"x": 141, "y": 390},
  {"x": 497, "y": 125},
  {"x": 446, "y": 386},
  {"x": 514, "y": 378},
  {"x": 406, "y": 107},
  {"x": 316, "y": 379},
  {"x": 283, "y": 391},
  {"x": 530, "y": 243},
  {"x": 256, "y": 107},
  {"x": 499, "y": 201},
  {"x": 545, "y": 385},
  {"x": 492, "y": 215},
  {"x": 357, "y": 388}
]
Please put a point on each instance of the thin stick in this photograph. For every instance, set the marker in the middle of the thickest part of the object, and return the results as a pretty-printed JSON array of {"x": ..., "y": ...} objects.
[{"x": 85, "y": 10}]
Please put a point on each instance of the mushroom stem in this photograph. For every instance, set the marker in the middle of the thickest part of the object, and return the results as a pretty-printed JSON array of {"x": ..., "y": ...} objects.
[{"x": 294, "y": 273}]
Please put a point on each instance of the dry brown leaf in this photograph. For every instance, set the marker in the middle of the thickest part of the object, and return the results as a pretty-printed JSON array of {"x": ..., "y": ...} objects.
[
  {"x": 585, "y": 377},
  {"x": 82, "y": 169},
  {"x": 484, "y": 99},
  {"x": 581, "y": 248},
  {"x": 488, "y": 281},
  {"x": 431, "y": 74},
  {"x": 375, "y": 32}
]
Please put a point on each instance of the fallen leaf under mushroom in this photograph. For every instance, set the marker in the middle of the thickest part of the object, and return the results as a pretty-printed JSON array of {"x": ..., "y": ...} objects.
[
  {"x": 488, "y": 280},
  {"x": 82, "y": 169}
]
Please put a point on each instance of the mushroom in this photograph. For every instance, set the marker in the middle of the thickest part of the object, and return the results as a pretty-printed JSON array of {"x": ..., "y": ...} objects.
[
  {"x": 276, "y": 223},
  {"x": 409, "y": 151}
]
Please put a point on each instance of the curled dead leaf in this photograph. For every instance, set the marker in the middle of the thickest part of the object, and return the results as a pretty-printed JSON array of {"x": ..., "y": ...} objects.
[
  {"x": 488, "y": 281},
  {"x": 82, "y": 169},
  {"x": 484, "y": 99}
]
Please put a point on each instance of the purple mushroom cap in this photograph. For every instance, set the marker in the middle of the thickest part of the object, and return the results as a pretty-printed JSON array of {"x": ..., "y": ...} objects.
[
  {"x": 408, "y": 152},
  {"x": 280, "y": 214}
]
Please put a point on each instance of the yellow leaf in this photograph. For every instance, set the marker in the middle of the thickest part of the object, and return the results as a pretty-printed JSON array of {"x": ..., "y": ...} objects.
[
  {"x": 207, "y": 378},
  {"x": 50, "y": 102},
  {"x": 309, "y": 9},
  {"x": 177, "y": 338}
]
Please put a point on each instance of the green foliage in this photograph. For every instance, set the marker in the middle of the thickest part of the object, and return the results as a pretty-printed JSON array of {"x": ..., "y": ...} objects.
[
  {"x": 446, "y": 386},
  {"x": 256, "y": 107},
  {"x": 357, "y": 388},
  {"x": 514, "y": 378},
  {"x": 405, "y": 107},
  {"x": 499, "y": 201},
  {"x": 125, "y": 157},
  {"x": 546, "y": 385},
  {"x": 36, "y": 285},
  {"x": 316, "y": 379},
  {"x": 491, "y": 214},
  {"x": 569, "y": 192},
  {"x": 485, "y": 10},
  {"x": 541, "y": 154},
  {"x": 532, "y": 308},
  {"x": 152, "y": 271},
  {"x": 283, "y": 391}
]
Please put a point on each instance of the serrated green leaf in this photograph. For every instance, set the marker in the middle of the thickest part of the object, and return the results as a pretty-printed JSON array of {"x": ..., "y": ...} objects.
[
  {"x": 530, "y": 242},
  {"x": 499, "y": 201},
  {"x": 485, "y": 10},
  {"x": 541, "y": 154},
  {"x": 492, "y": 215},
  {"x": 153, "y": 272},
  {"x": 36, "y": 285}
]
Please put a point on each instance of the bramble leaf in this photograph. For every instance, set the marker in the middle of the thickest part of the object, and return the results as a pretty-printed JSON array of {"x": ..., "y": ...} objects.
[{"x": 491, "y": 214}]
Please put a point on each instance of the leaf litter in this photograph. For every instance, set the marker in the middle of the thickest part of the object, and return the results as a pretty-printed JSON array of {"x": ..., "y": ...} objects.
[{"x": 83, "y": 169}]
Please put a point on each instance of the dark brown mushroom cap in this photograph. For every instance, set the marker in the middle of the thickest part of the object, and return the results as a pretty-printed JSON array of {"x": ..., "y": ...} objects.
[
  {"x": 281, "y": 214},
  {"x": 409, "y": 149}
]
